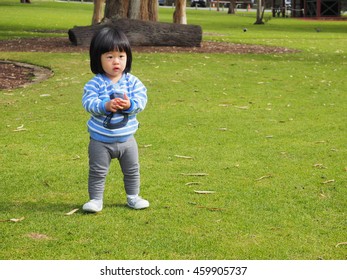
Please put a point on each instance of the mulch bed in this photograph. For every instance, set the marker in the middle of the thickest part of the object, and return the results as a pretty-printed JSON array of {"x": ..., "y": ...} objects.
[
  {"x": 16, "y": 75},
  {"x": 12, "y": 76}
]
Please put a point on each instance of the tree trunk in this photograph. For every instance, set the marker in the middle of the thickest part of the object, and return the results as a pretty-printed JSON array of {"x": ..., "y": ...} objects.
[
  {"x": 134, "y": 9},
  {"x": 232, "y": 5},
  {"x": 149, "y": 10},
  {"x": 153, "y": 10},
  {"x": 98, "y": 11},
  {"x": 260, "y": 14},
  {"x": 179, "y": 15},
  {"x": 144, "y": 33},
  {"x": 144, "y": 13},
  {"x": 116, "y": 9}
]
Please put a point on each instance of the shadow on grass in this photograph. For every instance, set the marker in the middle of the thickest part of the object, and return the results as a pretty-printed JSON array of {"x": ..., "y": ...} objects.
[{"x": 37, "y": 207}]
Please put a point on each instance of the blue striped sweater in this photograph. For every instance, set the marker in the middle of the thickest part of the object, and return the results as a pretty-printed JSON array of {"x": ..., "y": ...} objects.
[{"x": 98, "y": 91}]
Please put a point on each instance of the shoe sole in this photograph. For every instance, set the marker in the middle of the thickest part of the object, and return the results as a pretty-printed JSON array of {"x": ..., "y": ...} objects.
[
  {"x": 91, "y": 209},
  {"x": 138, "y": 208}
]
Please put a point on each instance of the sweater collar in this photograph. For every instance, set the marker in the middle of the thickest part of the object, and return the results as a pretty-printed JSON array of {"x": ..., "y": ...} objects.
[{"x": 109, "y": 82}]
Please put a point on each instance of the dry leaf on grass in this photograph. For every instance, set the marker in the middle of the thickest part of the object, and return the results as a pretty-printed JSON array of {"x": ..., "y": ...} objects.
[
  {"x": 146, "y": 145},
  {"x": 194, "y": 174},
  {"x": 263, "y": 177},
  {"x": 341, "y": 243},
  {"x": 328, "y": 181},
  {"x": 242, "y": 107},
  {"x": 71, "y": 212},
  {"x": 192, "y": 183},
  {"x": 204, "y": 192},
  {"x": 20, "y": 128},
  {"x": 13, "y": 220},
  {"x": 319, "y": 165},
  {"x": 17, "y": 220},
  {"x": 184, "y": 157}
]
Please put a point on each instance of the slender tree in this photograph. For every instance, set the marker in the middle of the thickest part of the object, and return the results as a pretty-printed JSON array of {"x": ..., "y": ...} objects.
[
  {"x": 153, "y": 10},
  {"x": 98, "y": 11},
  {"x": 149, "y": 10},
  {"x": 180, "y": 15},
  {"x": 232, "y": 5},
  {"x": 260, "y": 11}
]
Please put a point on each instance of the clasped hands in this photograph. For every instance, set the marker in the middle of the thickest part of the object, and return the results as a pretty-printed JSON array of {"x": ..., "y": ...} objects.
[{"x": 118, "y": 104}]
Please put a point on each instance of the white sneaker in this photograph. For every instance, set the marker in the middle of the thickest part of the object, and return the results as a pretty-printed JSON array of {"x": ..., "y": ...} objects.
[
  {"x": 137, "y": 203},
  {"x": 93, "y": 206}
]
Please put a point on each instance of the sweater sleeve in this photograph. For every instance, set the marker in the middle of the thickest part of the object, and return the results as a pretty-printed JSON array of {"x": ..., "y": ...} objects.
[
  {"x": 137, "y": 94},
  {"x": 93, "y": 99}
]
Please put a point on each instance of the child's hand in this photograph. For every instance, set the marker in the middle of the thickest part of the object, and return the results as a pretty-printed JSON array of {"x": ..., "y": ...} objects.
[
  {"x": 122, "y": 104},
  {"x": 111, "y": 106}
]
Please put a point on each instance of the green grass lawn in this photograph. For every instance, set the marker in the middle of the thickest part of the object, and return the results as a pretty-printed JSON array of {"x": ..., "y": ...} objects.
[{"x": 269, "y": 132}]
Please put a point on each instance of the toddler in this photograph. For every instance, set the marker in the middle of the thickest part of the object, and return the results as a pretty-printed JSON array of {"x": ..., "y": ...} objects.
[{"x": 113, "y": 97}]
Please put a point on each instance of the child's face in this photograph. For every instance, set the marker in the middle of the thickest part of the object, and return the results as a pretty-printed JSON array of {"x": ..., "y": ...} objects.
[{"x": 114, "y": 63}]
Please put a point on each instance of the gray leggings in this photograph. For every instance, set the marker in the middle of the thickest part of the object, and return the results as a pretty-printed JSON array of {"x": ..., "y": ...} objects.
[{"x": 100, "y": 155}]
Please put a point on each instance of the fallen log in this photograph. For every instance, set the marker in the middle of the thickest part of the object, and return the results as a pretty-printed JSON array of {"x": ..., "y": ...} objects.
[{"x": 143, "y": 33}]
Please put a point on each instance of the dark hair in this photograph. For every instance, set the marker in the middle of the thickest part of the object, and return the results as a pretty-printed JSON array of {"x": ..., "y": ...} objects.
[{"x": 105, "y": 40}]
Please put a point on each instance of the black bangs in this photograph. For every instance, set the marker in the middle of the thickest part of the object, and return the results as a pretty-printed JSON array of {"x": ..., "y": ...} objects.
[{"x": 105, "y": 40}]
